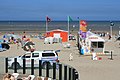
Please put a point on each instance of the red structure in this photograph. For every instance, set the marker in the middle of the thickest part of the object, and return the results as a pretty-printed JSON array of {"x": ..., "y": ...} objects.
[{"x": 58, "y": 34}]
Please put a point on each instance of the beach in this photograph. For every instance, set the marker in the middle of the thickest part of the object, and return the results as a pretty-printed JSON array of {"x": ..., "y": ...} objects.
[{"x": 104, "y": 69}]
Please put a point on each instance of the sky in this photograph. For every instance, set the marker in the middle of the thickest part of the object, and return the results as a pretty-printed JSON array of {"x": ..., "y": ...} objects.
[{"x": 59, "y": 9}]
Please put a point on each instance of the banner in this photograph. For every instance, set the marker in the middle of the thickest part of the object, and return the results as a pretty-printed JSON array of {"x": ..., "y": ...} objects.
[
  {"x": 48, "y": 19},
  {"x": 83, "y": 28}
]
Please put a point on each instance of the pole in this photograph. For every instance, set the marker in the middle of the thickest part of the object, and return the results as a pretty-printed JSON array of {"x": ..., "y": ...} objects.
[
  {"x": 46, "y": 26},
  {"x": 78, "y": 24},
  {"x": 24, "y": 68},
  {"x": 70, "y": 76},
  {"x": 54, "y": 71},
  {"x": 15, "y": 65},
  {"x": 111, "y": 25},
  {"x": 60, "y": 71},
  {"x": 65, "y": 72},
  {"x": 111, "y": 30},
  {"x": 68, "y": 28},
  {"x": 40, "y": 68},
  {"x": 6, "y": 66},
  {"x": 119, "y": 30},
  {"x": 47, "y": 69},
  {"x": 73, "y": 73},
  {"x": 32, "y": 66},
  {"x": 111, "y": 56}
]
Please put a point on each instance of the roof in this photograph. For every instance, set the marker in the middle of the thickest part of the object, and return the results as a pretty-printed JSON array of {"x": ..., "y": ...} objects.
[
  {"x": 96, "y": 39},
  {"x": 58, "y": 30},
  {"x": 93, "y": 37}
]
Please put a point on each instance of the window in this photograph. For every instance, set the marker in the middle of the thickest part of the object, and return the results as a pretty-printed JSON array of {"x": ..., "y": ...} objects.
[
  {"x": 94, "y": 44},
  {"x": 48, "y": 54},
  {"x": 35, "y": 54},
  {"x": 100, "y": 44},
  {"x": 26, "y": 56}
]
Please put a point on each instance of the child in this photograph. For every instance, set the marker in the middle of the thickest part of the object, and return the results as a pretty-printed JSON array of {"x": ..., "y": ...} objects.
[{"x": 70, "y": 57}]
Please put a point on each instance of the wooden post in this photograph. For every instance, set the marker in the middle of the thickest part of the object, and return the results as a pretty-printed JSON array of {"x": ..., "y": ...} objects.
[
  {"x": 24, "y": 66},
  {"x": 60, "y": 71},
  {"x": 32, "y": 66},
  {"x": 15, "y": 65},
  {"x": 70, "y": 74},
  {"x": 47, "y": 69},
  {"x": 54, "y": 70},
  {"x": 40, "y": 68},
  {"x": 65, "y": 72},
  {"x": 6, "y": 65},
  {"x": 111, "y": 56}
]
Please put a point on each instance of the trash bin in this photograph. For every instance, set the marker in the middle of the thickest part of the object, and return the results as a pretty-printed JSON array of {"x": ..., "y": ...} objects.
[{"x": 82, "y": 52}]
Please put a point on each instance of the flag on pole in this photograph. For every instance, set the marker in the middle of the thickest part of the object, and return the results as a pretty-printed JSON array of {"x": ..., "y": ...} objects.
[
  {"x": 48, "y": 19},
  {"x": 69, "y": 19},
  {"x": 111, "y": 23},
  {"x": 83, "y": 23},
  {"x": 83, "y": 28}
]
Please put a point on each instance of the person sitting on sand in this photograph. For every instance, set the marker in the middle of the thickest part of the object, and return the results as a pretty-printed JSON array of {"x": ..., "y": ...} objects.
[
  {"x": 8, "y": 77},
  {"x": 18, "y": 44},
  {"x": 109, "y": 37},
  {"x": 46, "y": 78},
  {"x": 38, "y": 78}
]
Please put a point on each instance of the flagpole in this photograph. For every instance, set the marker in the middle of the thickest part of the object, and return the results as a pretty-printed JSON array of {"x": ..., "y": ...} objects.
[
  {"x": 79, "y": 25},
  {"x": 46, "y": 26},
  {"x": 46, "y": 23},
  {"x": 111, "y": 26},
  {"x": 68, "y": 28}
]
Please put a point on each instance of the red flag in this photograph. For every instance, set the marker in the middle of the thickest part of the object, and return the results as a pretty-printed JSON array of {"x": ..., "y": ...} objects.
[
  {"x": 83, "y": 26},
  {"x": 83, "y": 23},
  {"x": 48, "y": 19}
]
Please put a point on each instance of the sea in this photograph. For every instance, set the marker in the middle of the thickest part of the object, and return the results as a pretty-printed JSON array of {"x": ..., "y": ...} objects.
[{"x": 102, "y": 26}]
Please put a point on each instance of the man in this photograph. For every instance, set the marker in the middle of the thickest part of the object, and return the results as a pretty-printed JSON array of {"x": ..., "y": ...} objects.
[{"x": 8, "y": 77}]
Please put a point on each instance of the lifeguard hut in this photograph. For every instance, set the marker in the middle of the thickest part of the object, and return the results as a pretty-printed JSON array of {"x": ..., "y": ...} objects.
[
  {"x": 92, "y": 41},
  {"x": 58, "y": 33}
]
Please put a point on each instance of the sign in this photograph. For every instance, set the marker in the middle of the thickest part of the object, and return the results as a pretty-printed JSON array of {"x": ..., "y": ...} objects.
[{"x": 93, "y": 37}]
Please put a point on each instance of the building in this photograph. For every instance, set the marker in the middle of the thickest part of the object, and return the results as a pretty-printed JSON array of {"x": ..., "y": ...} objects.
[
  {"x": 58, "y": 34},
  {"x": 91, "y": 42}
]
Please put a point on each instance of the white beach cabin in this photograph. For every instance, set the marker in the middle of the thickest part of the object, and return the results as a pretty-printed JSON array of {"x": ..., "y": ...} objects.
[{"x": 94, "y": 42}]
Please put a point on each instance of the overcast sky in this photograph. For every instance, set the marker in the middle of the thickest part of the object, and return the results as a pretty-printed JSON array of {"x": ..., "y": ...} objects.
[{"x": 59, "y": 9}]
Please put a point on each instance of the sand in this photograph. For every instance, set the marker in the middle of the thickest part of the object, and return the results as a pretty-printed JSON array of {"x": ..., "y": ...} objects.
[{"x": 104, "y": 69}]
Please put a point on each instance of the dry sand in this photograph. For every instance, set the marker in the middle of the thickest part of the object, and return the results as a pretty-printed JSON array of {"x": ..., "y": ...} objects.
[{"x": 104, "y": 69}]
